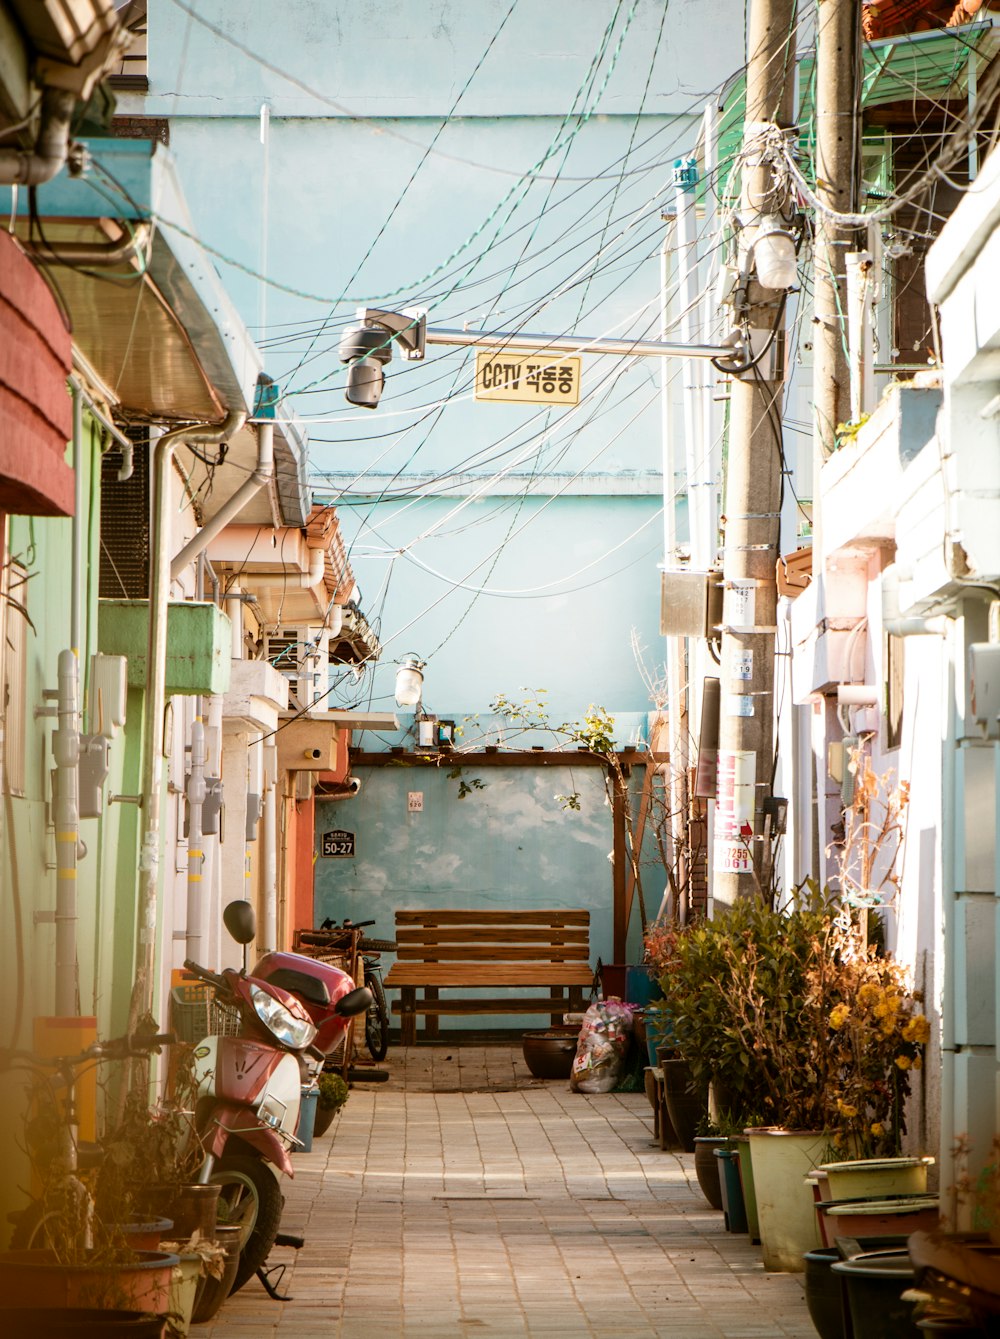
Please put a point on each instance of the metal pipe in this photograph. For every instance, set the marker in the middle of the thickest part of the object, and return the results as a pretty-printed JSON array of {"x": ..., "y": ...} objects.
[
  {"x": 195, "y": 920},
  {"x": 514, "y": 339},
  {"x": 33, "y": 167},
  {"x": 114, "y": 432},
  {"x": 262, "y": 474},
  {"x": 155, "y": 697},
  {"x": 66, "y": 752},
  {"x": 270, "y": 851},
  {"x": 96, "y": 255}
]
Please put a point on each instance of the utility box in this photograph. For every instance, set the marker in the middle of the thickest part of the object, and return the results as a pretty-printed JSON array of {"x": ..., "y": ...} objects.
[
  {"x": 984, "y": 686},
  {"x": 690, "y": 603}
]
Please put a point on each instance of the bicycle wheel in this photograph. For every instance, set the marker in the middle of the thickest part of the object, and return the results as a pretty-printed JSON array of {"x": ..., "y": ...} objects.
[
  {"x": 377, "y": 1019},
  {"x": 251, "y": 1199}
]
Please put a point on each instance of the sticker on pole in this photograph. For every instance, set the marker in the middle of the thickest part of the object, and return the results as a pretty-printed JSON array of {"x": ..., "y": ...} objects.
[
  {"x": 527, "y": 378},
  {"x": 734, "y": 811},
  {"x": 740, "y": 604}
]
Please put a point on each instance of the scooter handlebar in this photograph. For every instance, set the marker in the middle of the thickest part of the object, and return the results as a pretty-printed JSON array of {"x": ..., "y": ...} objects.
[{"x": 213, "y": 978}]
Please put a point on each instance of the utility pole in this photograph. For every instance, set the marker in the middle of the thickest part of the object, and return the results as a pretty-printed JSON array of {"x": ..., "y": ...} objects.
[
  {"x": 838, "y": 170},
  {"x": 743, "y": 827}
]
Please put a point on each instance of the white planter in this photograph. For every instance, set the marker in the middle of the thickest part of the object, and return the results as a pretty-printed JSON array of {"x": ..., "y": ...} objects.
[{"x": 785, "y": 1206}]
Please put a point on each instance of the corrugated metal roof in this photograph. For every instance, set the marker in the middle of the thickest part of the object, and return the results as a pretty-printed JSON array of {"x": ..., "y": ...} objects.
[{"x": 910, "y": 67}]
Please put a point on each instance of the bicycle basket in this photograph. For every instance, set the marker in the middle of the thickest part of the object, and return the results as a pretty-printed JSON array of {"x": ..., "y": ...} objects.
[{"x": 195, "y": 1013}]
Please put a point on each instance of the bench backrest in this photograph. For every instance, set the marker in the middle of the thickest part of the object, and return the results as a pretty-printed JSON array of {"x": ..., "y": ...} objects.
[{"x": 496, "y": 936}]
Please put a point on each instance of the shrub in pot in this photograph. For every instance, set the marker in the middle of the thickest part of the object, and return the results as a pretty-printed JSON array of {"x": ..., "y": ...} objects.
[{"x": 333, "y": 1093}]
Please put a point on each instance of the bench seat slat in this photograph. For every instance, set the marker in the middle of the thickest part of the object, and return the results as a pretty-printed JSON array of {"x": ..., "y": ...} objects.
[
  {"x": 490, "y": 934},
  {"x": 454, "y": 1008},
  {"x": 556, "y": 916},
  {"x": 488, "y": 974},
  {"x": 486, "y": 953}
]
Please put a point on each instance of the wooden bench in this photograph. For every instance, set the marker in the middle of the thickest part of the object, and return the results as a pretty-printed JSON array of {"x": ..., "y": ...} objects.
[{"x": 444, "y": 950}]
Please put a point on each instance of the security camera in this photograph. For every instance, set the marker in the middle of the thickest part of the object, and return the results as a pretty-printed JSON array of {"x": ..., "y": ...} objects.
[
  {"x": 367, "y": 347},
  {"x": 354, "y": 784}
]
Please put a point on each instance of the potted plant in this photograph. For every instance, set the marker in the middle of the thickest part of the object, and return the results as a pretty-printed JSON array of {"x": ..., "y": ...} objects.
[
  {"x": 811, "y": 1036},
  {"x": 333, "y": 1093}
]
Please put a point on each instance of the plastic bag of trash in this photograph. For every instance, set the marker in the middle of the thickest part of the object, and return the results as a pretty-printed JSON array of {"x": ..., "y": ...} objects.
[{"x": 602, "y": 1047}]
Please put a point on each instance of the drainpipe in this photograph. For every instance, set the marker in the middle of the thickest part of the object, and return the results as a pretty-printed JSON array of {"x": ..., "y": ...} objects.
[
  {"x": 270, "y": 851},
  {"x": 33, "y": 167},
  {"x": 262, "y": 474},
  {"x": 95, "y": 255},
  {"x": 155, "y": 697},
  {"x": 196, "y": 855},
  {"x": 66, "y": 749},
  {"x": 126, "y": 446},
  {"x": 296, "y": 580}
]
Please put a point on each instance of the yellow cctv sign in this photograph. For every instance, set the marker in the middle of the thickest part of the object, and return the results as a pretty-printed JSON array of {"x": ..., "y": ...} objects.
[{"x": 527, "y": 378}]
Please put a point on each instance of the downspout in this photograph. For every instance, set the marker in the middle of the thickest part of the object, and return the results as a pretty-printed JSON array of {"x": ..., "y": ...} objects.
[
  {"x": 33, "y": 167},
  {"x": 195, "y": 919},
  {"x": 262, "y": 474},
  {"x": 66, "y": 750},
  {"x": 270, "y": 851},
  {"x": 155, "y": 697}
]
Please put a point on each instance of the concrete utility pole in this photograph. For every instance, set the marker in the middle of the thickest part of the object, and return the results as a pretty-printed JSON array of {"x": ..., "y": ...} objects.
[
  {"x": 838, "y": 173},
  {"x": 742, "y": 844}
]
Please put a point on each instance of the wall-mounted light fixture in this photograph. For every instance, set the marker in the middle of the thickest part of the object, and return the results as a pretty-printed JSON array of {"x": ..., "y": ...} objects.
[
  {"x": 774, "y": 256},
  {"x": 410, "y": 680}
]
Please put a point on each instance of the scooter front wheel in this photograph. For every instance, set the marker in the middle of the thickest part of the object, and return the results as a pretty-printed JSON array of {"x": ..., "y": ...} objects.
[{"x": 250, "y": 1199}]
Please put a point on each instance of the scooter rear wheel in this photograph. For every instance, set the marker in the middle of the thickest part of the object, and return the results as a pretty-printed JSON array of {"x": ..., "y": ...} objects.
[{"x": 252, "y": 1200}]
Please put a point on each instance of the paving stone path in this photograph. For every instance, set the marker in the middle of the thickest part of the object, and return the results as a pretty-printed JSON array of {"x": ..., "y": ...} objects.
[{"x": 463, "y": 1198}]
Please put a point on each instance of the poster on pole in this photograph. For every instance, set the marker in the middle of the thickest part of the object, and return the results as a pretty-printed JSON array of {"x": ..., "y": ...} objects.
[{"x": 734, "y": 811}]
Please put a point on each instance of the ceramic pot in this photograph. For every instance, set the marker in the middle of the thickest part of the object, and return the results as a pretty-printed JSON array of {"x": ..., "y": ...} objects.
[
  {"x": 192, "y": 1208},
  {"x": 143, "y": 1233},
  {"x": 79, "y": 1323},
  {"x": 142, "y": 1285},
  {"x": 732, "y": 1192},
  {"x": 824, "y": 1296},
  {"x": 213, "y": 1292},
  {"x": 707, "y": 1167},
  {"x": 877, "y": 1218},
  {"x": 742, "y": 1146},
  {"x": 549, "y": 1054},
  {"x": 183, "y": 1288},
  {"x": 785, "y": 1210},
  {"x": 642, "y": 985},
  {"x": 685, "y": 1108},
  {"x": 874, "y": 1285},
  {"x": 325, "y": 1116},
  {"x": 876, "y": 1178}
]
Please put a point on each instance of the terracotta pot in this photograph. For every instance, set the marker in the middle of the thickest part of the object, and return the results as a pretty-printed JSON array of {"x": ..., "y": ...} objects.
[
  {"x": 79, "y": 1323},
  {"x": 143, "y": 1233},
  {"x": 877, "y": 1218},
  {"x": 144, "y": 1285},
  {"x": 706, "y": 1167}
]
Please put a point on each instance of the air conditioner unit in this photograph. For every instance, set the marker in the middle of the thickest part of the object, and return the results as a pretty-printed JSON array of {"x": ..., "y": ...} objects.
[{"x": 302, "y": 655}]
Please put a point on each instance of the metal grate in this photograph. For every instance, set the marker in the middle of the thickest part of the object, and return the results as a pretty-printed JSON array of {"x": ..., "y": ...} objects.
[{"x": 124, "y": 567}]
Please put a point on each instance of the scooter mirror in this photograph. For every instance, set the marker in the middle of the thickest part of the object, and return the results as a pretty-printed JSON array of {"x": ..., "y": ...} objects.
[
  {"x": 240, "y": 920},
  {"x": 354, "y": 1002}
]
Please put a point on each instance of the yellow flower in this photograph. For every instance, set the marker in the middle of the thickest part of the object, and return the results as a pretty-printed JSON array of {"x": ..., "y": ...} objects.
[
  {"x": 839, "y": 1016},
  {"x": 881, "y": 1009},
  {"x": 877, "y": 1129},
  {"x": 918, "y": 1062},
  {"x": 903, "y": 1062},
  {"x": 846, "y": 1109},
  {"x": 917, "y": 1029},
  {"x": 868, "y": 993}
]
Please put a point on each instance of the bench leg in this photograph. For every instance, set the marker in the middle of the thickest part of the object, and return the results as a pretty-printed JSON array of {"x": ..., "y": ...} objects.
[
  {"x": 432, "y": 1023},
  {"x": 407, "y": 1016},
  {"x": 559, "y": 1008},
  {"x": 575, "y": 1000}
]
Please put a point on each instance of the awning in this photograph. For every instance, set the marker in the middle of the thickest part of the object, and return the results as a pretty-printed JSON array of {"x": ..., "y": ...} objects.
[{"x": 160, "y": 330}]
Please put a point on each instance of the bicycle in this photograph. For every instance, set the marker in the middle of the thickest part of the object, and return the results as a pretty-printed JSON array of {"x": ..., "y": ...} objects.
[
  {"x": 66, "y": 1203},
  {"x": 364, "y": 965}
]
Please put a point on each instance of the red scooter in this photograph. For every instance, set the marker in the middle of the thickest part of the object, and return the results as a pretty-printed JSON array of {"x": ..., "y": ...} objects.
[{"x": 249, "y": 1085}]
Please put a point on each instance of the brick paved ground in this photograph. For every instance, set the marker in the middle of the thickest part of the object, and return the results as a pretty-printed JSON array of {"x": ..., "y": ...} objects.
[{"x": 463, "y": 1198}]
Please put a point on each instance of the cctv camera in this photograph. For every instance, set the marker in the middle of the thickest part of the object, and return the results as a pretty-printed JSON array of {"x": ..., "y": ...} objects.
[
  {"x": 365, "y": 349},
  {"x": 354, "y": 784}
]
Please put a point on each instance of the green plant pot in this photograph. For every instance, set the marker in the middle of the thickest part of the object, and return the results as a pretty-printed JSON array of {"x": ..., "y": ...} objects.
[
  {"x": 742, "y": 1146},
  {"x": 876, "y": 1178},
  {"x": 183, "y": 1288},
  {"x": 786, "y": 1211},
  {"x": 732, "y": 1192}
]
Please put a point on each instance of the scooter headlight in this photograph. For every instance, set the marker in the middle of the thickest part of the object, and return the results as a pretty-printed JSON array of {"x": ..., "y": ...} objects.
[{"x": 295, "y": 1033}]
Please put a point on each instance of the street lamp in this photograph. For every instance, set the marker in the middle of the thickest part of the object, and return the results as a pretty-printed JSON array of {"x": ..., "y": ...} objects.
[{"x": 409, "y": 680}]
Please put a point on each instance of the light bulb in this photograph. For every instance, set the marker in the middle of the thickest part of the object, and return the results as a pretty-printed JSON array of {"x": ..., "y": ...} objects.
[{"x": 774, "y": 256}]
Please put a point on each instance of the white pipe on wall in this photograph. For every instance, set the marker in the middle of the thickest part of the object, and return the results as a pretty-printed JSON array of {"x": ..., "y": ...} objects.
[
  {"x": 270, "y": 851},
  {"x": 195, "y": 920}
]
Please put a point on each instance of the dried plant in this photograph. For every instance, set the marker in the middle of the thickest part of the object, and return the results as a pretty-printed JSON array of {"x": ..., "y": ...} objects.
[{"x": 874, "y": 831}]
